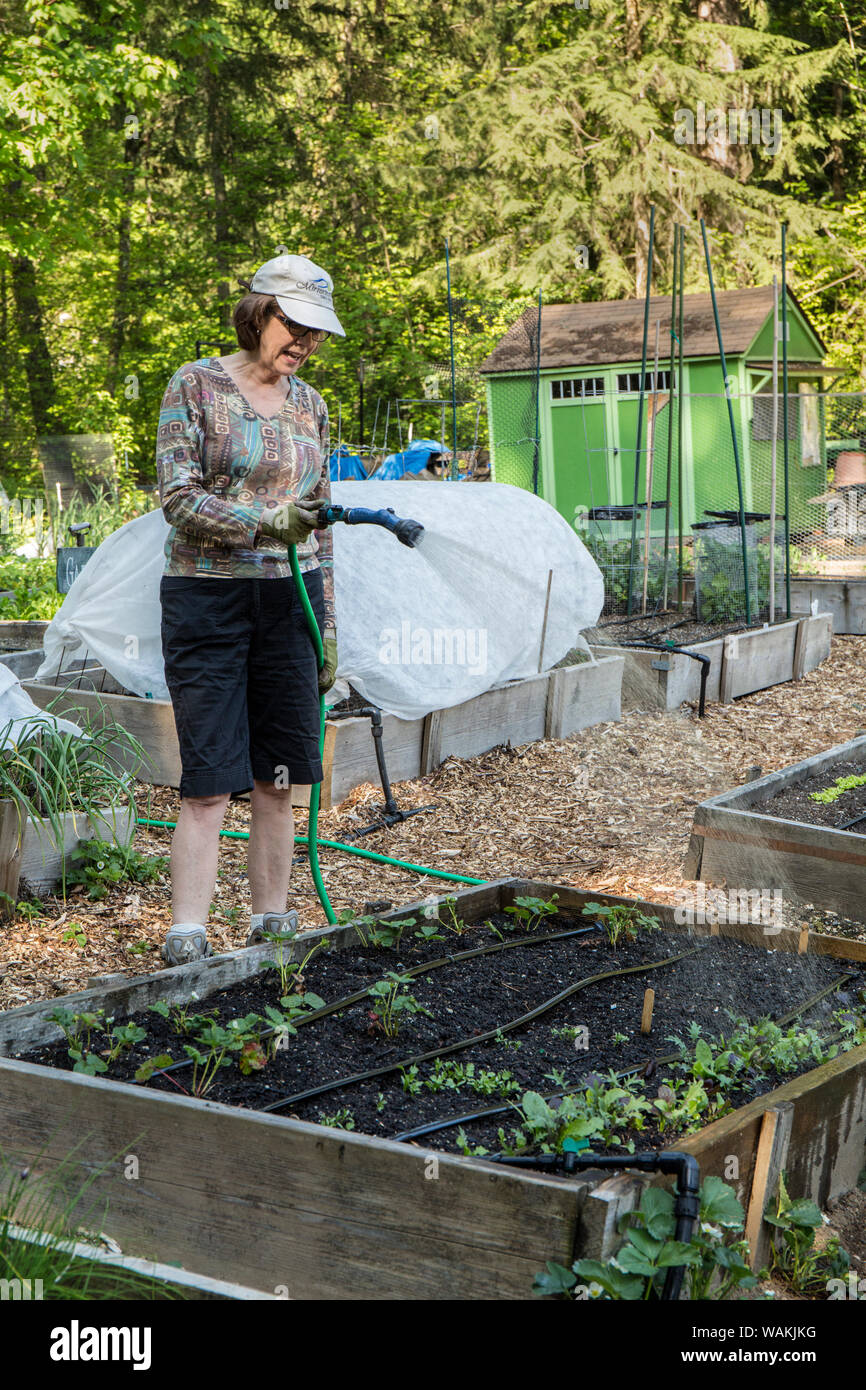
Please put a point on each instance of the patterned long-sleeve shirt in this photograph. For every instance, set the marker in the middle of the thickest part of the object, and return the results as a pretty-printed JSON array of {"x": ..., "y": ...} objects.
[{"x": 220, "y": 464}]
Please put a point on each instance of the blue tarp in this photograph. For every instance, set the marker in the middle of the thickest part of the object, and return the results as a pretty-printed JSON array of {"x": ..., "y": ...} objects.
[
  {"x": 346, "y": 467},
  {"x": 411, "y": 460}
]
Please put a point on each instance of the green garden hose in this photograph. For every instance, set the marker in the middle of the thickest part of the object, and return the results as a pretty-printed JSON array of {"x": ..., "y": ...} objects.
[
  {"x": 311, "y": 840},
  {"x": 316, "y": 789}
]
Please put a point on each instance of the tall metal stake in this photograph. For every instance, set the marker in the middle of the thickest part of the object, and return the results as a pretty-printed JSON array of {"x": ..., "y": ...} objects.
[
  {"x": 650, "y": 458},
  {"x": 454, "y": 469},
  {"x": 537, "y": 401},
  {"x": 649, "y": 276},
  {"x": 786, "y": 461},
  {"x": 748, "y": 596},
  {"x": 673, "y": 336},
  {"x": 680, "y": 551}
]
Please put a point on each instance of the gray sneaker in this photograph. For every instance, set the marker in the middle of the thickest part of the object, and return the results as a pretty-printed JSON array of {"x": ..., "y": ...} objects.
[
  {"x": 285, "y": 924},
  {"x": 184, "y": 946}
]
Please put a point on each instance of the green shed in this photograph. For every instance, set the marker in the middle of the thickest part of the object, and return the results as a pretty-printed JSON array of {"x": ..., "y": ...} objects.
[{"x": 586, "y": 406}]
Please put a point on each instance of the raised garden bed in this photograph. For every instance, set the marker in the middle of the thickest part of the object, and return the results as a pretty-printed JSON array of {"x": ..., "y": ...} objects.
[
  {"x": 21, "y": 646},
  {"x": 768, "y": 833},
  {"x": 844, "y": 599},
  {"x": 413, "y": 1222},
  {"x": 739, "y": 662},
  {"x": 552, "y": 705}
]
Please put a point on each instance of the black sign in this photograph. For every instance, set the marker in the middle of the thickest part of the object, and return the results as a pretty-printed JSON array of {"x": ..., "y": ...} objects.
[{"x": 71, "y": 560}]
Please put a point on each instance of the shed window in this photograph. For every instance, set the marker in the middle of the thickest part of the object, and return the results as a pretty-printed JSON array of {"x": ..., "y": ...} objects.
[
  {"x": 577, "y": 388},
  {"x": 628, "y": 383}
]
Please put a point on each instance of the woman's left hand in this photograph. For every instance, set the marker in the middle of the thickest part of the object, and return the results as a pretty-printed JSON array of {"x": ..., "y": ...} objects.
[{"x": 328, "y": 673}]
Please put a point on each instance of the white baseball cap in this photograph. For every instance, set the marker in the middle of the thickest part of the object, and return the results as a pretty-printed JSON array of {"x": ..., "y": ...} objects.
[{"x": 303, "y": 291}]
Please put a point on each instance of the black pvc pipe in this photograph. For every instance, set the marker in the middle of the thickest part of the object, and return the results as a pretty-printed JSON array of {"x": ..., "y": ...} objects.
[
  {"x": 683, "y": 651},
  {"x": 687, "y": 1200}
]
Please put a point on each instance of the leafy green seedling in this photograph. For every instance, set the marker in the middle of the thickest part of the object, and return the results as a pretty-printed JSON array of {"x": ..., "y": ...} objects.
[
  {"x": 391, "y": 1002},
  {"x": 531, "y": 912}
]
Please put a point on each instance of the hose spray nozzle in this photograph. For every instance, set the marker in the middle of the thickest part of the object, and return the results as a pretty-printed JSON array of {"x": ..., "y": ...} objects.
[{"x": 408, "y": 532}]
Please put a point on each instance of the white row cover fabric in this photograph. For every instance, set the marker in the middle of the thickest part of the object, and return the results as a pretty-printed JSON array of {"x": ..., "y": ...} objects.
[
  {"x": 20, "y": 718},
  {"x": 499, "y": 583}
]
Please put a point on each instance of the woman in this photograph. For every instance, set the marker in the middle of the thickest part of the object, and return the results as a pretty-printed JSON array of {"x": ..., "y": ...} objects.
[{"x": 242, "y": 461}]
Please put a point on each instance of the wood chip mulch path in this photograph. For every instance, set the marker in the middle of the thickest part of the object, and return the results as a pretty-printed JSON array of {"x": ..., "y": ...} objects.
[{"x": 608, "y": 809}]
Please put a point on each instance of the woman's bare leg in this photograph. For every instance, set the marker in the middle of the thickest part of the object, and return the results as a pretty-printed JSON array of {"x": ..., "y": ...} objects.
[
  {"x": 194, "y": 854},
  {"x": 269, "y": 859}
]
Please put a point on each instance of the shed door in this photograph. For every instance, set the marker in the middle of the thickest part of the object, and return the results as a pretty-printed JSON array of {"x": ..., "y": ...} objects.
[{"x": 580, "y": 457}]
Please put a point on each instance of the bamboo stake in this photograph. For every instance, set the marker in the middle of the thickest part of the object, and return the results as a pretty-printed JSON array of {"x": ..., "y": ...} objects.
[
  {"x": 646, "y": 1018},
  {"x": 544, "y": 623}
]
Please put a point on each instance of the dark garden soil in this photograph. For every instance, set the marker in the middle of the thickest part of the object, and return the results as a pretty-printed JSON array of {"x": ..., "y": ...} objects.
[
  {"x": 794, "y": 803},
  {"x": 472, "y": 997},
  {"x": 646, "y": 629}
]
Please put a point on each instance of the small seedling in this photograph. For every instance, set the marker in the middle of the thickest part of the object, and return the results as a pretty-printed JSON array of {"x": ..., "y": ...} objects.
[
  {"x": 214, "y": 1047},
  {"x": 152, "y": 1064},
  {"x": 392, "y": 1000},
  {"x": 282, "y": 1025},
  {"x": 180, "y": 1017},
  {"x": 448, "y": 917},
  {"x": 291, "y": 972},
  {"x": 341, "y": 1119},
  {"x": 123, "y": 1039},
  {"x": 622, "y": 922},
  {"x": 429, "y": 931},
  {"x": 531, "y": 912},
  {"x": 74, "y": 935}
]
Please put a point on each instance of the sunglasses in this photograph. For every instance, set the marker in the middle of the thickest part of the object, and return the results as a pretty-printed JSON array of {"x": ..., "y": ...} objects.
[{"x": 297, "y": 330}]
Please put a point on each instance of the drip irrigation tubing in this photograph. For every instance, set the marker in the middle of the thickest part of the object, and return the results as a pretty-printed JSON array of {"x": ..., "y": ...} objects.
[
  {"x": 338, "y": 844},
  {"x": 423, "y": 969},
  {"x": 434, "y": 1126},
  {"x": 463, "y": 1043}
]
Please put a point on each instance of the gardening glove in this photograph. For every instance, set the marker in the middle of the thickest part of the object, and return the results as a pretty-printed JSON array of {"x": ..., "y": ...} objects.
[
  {"x": 328, "y": 673},
  {"x": 291, "y": 523}
]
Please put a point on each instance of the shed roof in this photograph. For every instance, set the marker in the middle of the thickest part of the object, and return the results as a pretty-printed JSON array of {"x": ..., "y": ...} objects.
[{"x": 597, "y": 333}]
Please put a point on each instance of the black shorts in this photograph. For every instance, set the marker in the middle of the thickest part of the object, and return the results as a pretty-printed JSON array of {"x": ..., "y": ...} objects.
[{"x": 241, "y": 670}]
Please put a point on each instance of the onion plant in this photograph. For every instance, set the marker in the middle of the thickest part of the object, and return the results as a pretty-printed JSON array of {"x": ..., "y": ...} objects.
[{"x": 49, "y": 772}]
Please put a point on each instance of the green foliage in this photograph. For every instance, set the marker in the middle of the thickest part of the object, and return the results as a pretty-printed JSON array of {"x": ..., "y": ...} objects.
[
  {"x": 392, "y": 1002},
  {"x": 152, "y": 1064},
  {"x": 795, "y": 1256},
  {"x": 839, "y": 787},
  {"x": 383, "y": 935},
  {"x": 531, "y": 912},
  {"x": 57, "y": 1208},
  {"x": 99, "y": 864},
  {"x": 215, "y": 1046},
  {"x": 715, "y": 1261},
  {"x": 622, "y": 922},
  {"x": 341, "y": 1119},
  {"x": 282, "y": 1025},
  {"x": 448, "y": 1075}
]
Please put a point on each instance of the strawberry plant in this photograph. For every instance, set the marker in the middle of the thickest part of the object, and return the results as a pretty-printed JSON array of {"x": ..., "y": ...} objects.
[
  {"x": 391, "y": 1002},
  {"x": 715, "y": 1259}
]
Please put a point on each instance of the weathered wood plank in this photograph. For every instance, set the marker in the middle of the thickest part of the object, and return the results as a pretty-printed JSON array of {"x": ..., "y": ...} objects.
[
  {"x": 579, "y": 697},
  {"x": 770, "y": 1157},
  {"x": 10, "y": 858},
  {"x": 266, "y": 1202}
]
